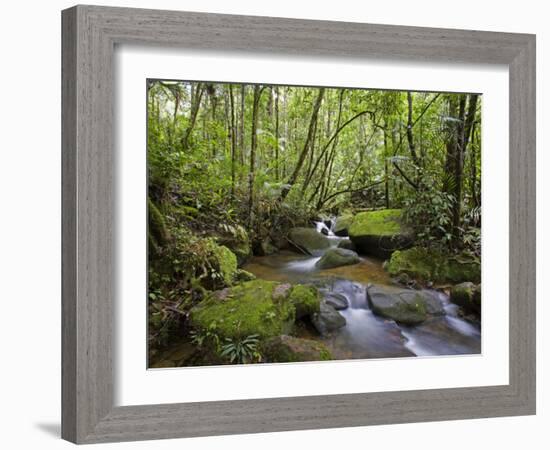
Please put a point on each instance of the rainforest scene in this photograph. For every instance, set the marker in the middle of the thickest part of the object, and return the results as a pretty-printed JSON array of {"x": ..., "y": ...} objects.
[{"x": 292, "y": 224}]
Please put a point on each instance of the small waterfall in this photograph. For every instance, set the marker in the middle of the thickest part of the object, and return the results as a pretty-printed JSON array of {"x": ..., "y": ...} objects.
[{"x": 322, "y": 228}]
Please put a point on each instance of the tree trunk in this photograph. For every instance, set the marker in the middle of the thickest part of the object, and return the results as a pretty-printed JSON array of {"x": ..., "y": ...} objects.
[
  {"x": 386, "y": 168},
  {"x": 253, "y": 146},
  {"x": 196, "y": 97},
  {"x": 241, "y": 123},
  {"x": 276, "y": 133},
  {"x": 303, "y": 154},
  {"x": 233, "y": 139}
]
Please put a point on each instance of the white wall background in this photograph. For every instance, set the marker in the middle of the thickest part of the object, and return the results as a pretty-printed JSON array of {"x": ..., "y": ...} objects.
[{"x": 31, "y": 208}]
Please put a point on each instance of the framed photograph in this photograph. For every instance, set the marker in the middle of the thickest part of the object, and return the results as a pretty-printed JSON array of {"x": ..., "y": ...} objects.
[{"x": 278, "y": 224}]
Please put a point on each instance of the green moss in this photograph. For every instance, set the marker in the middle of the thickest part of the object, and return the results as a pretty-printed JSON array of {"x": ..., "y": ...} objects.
[
  {"x": 468, "y": 296},
  {"x": 157, "y": 226},
  {"x": 325, "y": 355},
  {"x": 244, "y": 310},
  {"x": 415, "y": 262},
  {"x": 430, "y": 265},
  {"x": 461, "y": 294},
  {"x": 292, "y": 349},
  {"x": 385, "y": 222},
  {"x": 343, "y": 223},
  {"x": 226, "y": 262},
  {"x": 243, "y": 275},
  {"x": 306, "y": 299}
]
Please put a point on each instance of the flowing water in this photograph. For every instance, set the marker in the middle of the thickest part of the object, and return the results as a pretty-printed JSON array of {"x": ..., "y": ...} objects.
[{"x": 365, "y": 334}]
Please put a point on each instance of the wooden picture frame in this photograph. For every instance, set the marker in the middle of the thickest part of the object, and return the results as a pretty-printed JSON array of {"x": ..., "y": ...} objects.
[{"x": 90, "y": 34}]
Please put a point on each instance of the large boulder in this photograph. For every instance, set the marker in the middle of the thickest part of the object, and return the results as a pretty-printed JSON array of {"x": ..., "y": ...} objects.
[
  {"x": 327, "y": 319},
  {"x": 431, "y": 265},
  {"x": 405, "y": 306},
  {"x": 253, "y": 308},
  {"x": 347, "y": 244},
  {"x": 379, "y": 233},
  {"x": 467, "y": 295},
  {"x": 336, "y": 257},
  {"x": 342, "y": 224},
  {"x": 292, "y": 349},
  {"x": 309, "y": 240}
]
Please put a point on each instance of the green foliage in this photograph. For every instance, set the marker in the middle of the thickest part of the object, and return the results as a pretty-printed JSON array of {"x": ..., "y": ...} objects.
[
  {"x": 428, "y": 213},
  {"x": 241, "y": 351}
]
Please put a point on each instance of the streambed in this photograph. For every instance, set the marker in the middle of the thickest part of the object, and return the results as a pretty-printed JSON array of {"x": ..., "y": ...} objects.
[{"x": 365, "y": 334}]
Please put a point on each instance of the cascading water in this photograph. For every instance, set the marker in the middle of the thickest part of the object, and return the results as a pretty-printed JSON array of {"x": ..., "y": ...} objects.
[{"x": 365, "y": 334}]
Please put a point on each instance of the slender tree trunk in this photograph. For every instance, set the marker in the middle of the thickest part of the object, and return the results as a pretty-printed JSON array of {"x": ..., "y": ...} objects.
[
  {"x": 241, "y": 124},
  {"x": 303, "y": 154},
  {"x": 386, "y": 168},
  {"x": 196, "y": 97},
  {"x": 473, "y": 171},
  {"x": 458, "y": 169},
  {"x": 277, "y": 133},
  {"x": 253, "y": 146},
  {"x": 410, "y": 137},
  {"x": 233, "y": 139}
]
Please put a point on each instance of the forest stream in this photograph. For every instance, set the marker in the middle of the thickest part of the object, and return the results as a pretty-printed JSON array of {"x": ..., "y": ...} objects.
[
  {"x": 300, "y": 223},
  {"x": 365, "y": 334}
]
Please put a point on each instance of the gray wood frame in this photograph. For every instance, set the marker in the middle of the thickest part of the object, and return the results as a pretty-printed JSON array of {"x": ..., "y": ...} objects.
[{"x": 89, "y": 36}]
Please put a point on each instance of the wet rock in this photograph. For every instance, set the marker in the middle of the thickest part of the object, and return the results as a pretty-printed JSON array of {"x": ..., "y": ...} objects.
[
  {"x": 327, "y": 319},
  {"x": 336, "y": 300},
  {"x": 405, "y": 306},
  {"x": 336, "y": 257},
  {"x": 308, "y": 240}
]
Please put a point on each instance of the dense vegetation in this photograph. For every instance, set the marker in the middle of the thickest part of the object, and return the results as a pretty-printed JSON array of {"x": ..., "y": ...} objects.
[{"x": 233, "y": 168}]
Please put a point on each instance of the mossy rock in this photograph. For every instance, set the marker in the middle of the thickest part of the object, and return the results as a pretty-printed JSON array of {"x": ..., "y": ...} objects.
[
  {"x": 308, "y": 240},
  {"x": 236, "y": 239},
  {"x": 246, "y": 309},
  {"x": 292, "y": 349},
  {"x": 337, "y": 257},
  {"x": 226, "y": 263},
  {"x": 379, "y": 233},
  {"x": 242, "y": 275},
  {"x": 430, "y": 265},
  {"x": 407, "y": 307},
  {"x": 306, "y": 299},
  {"x": 342, "y": 224},
  {"x": 347, "y": 244},
  {"x": 468, "y": 296}
]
